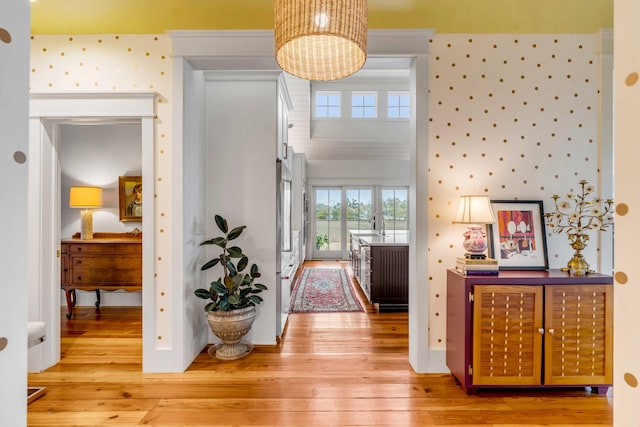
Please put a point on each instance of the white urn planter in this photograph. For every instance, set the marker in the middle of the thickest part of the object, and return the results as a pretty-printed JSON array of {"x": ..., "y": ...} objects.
[
  {"x": 230, "y": 326},
  {"x": 232, "y": 298}
]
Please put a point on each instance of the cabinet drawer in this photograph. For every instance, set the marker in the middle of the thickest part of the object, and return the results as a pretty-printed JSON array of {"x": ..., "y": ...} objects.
[
  {"x": 91, "y": 275},
  {"x": 105, "y": 248},
  {"x": 112, "y": 262}
]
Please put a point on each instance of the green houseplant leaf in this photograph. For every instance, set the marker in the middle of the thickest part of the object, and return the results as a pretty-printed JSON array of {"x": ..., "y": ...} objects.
[{"x": 234, "y": 290}]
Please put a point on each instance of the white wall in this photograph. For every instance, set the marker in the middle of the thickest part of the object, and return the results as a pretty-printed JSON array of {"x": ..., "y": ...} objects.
[
  {"x": 626, "y": 364},
  {"x": 97, "y": 155},
  {"x": 241, "y": 176},
  {"x": 195, "y": 216},
  {"x": 14, "y": 86},
  {"x": 374, "y": 172}
]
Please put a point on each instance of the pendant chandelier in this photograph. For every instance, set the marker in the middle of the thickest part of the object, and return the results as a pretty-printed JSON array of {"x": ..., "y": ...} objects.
[{"x": 321, "y": 39}]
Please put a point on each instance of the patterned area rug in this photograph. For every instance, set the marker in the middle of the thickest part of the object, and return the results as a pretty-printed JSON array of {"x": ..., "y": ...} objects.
[{"x": 324, "y": 290}]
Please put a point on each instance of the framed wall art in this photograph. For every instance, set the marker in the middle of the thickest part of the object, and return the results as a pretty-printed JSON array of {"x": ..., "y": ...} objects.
[
  {"x": 517, "y": 239},
  {"x": 130, "y": 198}
]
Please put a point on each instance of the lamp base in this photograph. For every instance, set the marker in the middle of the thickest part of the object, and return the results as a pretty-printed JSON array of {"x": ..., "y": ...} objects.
[
  {"x": 475, "y": 242},
  {"x": 86, "y": 224}
]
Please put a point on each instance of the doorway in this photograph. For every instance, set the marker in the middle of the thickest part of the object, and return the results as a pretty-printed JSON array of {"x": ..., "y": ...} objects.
[{"x": 49, "y": 112}]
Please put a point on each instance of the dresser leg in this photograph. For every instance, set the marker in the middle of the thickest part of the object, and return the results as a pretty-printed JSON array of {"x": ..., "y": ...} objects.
[
  {"x": 68, "y": 293},
  {"x": 98, "y": 299}
]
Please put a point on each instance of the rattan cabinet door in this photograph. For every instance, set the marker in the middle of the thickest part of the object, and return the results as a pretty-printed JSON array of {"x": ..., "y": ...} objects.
[
  {"x": 507, "y": 338},
  {"x": 579, "y": 334}
]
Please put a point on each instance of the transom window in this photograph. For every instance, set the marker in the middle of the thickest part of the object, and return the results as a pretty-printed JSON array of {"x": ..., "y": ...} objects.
[
  {"x": 398, "y": 105},
  {"x": 364, "y": 105},
  {"x": 328, "y": 104}
]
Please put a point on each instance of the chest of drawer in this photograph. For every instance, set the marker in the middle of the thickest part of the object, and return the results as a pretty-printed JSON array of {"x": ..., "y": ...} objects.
[{"x": 109, "y": 262}]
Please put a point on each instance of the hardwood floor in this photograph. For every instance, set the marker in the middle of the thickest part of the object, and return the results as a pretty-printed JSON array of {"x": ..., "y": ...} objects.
[{"x": 338, "y": 369}]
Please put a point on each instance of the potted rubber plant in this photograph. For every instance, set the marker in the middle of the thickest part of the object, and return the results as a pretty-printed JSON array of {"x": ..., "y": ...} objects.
[{"x": 233, "y": 296}]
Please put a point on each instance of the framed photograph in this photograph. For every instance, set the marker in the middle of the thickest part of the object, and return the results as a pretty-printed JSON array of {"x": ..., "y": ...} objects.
[
  {"x": 517, "y": 239},
  {"x": 130, "y": 198}
]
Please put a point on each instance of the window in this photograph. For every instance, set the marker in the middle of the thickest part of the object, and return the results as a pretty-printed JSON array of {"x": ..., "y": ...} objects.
[
  {"x": 359, "y": 208},
  {"x": 328, "y": 104},
  {"x": 394, "y": 208},
  {"x": 364, "y": 105},
  {"x": 339, "y": 209},
  {"x": 398, "y": 105}
]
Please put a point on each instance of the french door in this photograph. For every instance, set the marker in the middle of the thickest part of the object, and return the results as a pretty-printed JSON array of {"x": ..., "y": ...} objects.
[
  {"x": 327, "y": 237},
  {"x": 337, "y": 210}
]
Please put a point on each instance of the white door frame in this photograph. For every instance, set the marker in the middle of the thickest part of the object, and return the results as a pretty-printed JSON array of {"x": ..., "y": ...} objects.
[
  {"x": 47, "y": 112},
  {"x": 254, "y": 50}
]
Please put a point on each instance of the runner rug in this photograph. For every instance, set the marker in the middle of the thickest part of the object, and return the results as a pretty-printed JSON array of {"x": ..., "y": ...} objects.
[{"x": 324, "y": 290}]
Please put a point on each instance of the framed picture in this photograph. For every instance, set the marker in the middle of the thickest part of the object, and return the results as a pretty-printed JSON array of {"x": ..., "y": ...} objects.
[
  {"x": 130, "y": 198},
  {"x": 517, "y": 239}
]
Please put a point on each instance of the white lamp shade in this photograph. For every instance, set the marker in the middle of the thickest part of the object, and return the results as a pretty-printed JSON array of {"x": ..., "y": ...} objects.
[
  {"x": 85, "y": 197},
  {"x": 321, "y": 39},
  {"x": 474, "y": 210}
]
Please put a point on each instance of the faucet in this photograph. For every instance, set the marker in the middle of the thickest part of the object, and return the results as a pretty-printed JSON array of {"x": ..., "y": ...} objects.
[{"x": 374, "y": 221}]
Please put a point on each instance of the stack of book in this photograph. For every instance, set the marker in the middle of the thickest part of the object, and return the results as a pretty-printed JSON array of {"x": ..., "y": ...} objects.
[{"x": 477, "y": 267}]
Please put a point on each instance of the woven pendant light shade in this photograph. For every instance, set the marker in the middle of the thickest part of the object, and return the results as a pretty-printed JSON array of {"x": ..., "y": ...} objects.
[{"x": 321, "y": 39}]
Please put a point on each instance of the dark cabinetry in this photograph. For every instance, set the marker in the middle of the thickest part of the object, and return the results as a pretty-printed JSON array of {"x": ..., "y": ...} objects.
[
  {"x": 389, "y": 275},
  {"x": 530, "y": 329},
  {"x": 382, "y": 269},
  {"x": 111, "y": 261}
]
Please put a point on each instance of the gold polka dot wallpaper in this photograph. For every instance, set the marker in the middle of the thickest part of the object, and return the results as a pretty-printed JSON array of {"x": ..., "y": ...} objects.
[
  {"x": 511, "y": 117},
  {"x": 116, "y": 63}
]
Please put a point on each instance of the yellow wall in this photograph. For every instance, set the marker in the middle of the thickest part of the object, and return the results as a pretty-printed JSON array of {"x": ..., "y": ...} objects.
[{"x": 445, "y": 16}]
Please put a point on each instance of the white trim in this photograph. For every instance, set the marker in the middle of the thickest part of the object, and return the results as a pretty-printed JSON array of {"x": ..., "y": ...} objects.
[
  {"x": 72, "y": 107},
  {"x": 48, "y": 111}
]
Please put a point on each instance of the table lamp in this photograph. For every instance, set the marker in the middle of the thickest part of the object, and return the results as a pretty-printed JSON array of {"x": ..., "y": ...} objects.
[
  {"x": 85, "y": 198},
  {"x": 474, "y": 210}
]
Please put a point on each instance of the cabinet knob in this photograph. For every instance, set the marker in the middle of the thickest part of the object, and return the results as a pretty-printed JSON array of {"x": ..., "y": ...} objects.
[
  {"x": 552, "y": 331},
  {"x": 541, "y": 331}
]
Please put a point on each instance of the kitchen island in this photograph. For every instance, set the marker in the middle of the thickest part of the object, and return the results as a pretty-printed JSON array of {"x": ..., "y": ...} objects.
[{"x": 381, "y": 266}]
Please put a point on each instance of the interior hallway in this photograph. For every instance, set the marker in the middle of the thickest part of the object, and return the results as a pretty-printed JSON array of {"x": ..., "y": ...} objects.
[{"x": 336, "y": 369}]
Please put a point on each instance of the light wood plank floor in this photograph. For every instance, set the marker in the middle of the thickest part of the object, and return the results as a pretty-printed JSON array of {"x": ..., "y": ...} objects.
[{"x": 339, "y": 369}]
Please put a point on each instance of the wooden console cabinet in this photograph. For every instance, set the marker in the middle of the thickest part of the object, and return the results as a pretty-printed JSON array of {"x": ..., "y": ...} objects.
[
  {"x": 530, "y": 329},
  {"x": 109, "y": 262}
]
